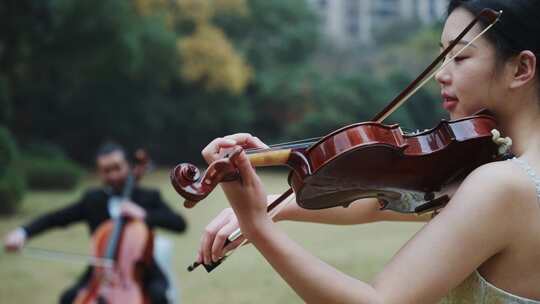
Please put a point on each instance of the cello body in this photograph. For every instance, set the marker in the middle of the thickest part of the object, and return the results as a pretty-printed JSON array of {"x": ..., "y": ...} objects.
[{"x": 123, "y": 282}]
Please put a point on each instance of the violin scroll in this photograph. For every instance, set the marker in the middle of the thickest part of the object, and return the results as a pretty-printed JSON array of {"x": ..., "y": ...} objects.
[{"x": 188, "y": 181}]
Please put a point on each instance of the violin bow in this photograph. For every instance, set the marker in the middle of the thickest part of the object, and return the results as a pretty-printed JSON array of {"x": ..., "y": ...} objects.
[{"x": 491, "y": 15}]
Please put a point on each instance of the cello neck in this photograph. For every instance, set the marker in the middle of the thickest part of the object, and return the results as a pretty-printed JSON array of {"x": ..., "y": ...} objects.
[{"x": 119, "y": 221}]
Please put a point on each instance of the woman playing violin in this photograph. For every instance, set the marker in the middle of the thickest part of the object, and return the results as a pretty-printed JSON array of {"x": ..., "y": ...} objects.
[{"x": 484, "y": 246}]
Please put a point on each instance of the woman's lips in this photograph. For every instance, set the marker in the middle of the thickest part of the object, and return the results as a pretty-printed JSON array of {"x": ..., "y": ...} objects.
[{"x": 449, "y": 102}]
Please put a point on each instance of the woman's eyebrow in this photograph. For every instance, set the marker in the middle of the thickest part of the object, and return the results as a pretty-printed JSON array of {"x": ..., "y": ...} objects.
[{"x": 464, "y": 42}]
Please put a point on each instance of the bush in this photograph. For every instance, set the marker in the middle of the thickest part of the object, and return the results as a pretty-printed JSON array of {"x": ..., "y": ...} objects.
[
  {"x": 8, "y": 150},
  {"x": 12, "y": 184},
  {"x": 12, "y": 189},
  {"x": 43, "y": 150},
  {"x": 50, "y": 173}
]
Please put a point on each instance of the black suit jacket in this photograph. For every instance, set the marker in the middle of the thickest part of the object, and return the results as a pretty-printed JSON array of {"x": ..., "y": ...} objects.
[{"x": 92, "y": 208}]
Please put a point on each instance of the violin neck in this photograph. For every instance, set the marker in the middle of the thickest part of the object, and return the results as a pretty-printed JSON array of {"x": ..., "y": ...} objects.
[{"x": 270, "y": 158}]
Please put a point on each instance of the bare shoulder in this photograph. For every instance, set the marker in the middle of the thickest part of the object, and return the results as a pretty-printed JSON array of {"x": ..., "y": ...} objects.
[{"x": 501, "y": 187}]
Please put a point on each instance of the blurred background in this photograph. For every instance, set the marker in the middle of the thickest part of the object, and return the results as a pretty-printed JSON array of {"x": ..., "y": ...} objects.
[{"x": 171, "y": 75}]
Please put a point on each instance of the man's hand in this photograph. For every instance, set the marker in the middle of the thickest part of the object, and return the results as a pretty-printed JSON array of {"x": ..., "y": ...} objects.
[
  {"x": 133, "y": 211},
  {"x": 15, "y": 240}
]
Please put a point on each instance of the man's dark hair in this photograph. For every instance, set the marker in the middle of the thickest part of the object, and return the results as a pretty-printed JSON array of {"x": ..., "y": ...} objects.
[{"x": 108, "y": 148}]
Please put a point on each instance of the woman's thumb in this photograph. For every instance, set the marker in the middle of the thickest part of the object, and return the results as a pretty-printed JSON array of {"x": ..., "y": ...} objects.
[{"x": 242, "y": 163}]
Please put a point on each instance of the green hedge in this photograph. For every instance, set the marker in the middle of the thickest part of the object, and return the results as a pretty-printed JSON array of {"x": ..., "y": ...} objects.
[
  {"x": 8, "y": 149},
  {"x": 12, "y": 183},
  {"x": 12, "y": 190},
  {"x": 50, "y": 173}
]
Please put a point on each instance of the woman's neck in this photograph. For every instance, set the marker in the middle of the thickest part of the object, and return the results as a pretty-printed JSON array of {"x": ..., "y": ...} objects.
[{"x": 520, "y": 121}]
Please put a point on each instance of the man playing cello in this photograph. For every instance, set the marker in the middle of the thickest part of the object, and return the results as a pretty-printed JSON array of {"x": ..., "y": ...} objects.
[{"x": 93, "y": 208}]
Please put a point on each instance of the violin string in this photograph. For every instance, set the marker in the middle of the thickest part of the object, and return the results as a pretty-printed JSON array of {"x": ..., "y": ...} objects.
[
  {"x": 293, "y": 144},
  {"x": 286, "y": 144},
  {"x": 428, "y": 78}
]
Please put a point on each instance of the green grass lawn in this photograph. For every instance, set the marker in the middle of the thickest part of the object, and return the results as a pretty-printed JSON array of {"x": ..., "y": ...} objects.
[{"x": 245, "y": 277}]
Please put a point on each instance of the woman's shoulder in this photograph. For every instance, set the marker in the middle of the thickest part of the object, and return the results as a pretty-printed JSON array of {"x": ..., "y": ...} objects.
[{"x": 498, "y": 185}]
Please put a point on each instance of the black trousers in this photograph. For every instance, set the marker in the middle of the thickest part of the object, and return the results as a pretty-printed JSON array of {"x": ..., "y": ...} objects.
[{"x": 155, "y": 284}]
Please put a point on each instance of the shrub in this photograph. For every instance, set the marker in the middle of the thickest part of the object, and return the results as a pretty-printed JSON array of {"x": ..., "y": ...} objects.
[
  {"x": 8, "y": 150},
  {"x": 12, "y": 189},
  {"x": 12, "y": 183},
  {"x": 50, "y": 173}
]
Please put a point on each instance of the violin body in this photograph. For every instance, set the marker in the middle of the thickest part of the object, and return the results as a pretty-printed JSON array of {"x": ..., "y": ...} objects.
[
  {"x": 403, "y": 171},
  {"x": 123, "y": 282},
  {"x": 363, "y": 160}
]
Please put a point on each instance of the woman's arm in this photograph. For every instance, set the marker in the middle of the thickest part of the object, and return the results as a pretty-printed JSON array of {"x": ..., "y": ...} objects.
[
  {"x": 478, "y": 223},
  {"x": 360, "y": 212},
  {"x": 216, "y": 232}
]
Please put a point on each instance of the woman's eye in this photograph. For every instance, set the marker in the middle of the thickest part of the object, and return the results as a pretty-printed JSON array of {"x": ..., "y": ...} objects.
[{"x": 460, "y": 58}]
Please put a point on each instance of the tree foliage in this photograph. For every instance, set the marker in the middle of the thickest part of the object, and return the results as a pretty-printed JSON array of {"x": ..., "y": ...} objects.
[{"x": 172, "y": 75}]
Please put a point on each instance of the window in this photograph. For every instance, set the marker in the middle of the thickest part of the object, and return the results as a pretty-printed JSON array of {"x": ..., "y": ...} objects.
[
  {"x": 352, "y": 16},
  {"x": 386, "y": 8}
]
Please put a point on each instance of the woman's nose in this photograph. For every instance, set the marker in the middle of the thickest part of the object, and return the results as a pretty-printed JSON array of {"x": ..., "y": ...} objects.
[{"x": 443, "y": 76}]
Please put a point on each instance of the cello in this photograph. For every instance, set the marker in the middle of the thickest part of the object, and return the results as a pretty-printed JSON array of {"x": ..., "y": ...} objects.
[
  {"x": 406, "y": 172},
  {"x": 128, "y": 245}
]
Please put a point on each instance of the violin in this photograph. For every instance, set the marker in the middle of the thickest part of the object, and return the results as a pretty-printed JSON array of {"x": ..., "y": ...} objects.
[
  {"x": 128, "y": 245},
  {"x": 405, "y": 172}
]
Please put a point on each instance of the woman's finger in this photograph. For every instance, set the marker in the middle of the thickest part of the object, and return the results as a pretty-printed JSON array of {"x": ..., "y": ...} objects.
[
  {"x": 247, "y": 141},
  {"x": 199, "y": 258},
  {"x": 210, "y": 233},
  {"x": 257, "y": 143},
  {"x": 249, "y": 177},
  {"x": 212, "y": 151},
  {"x": 205, "y": 243},
  {"x": 221, "y": 237}
]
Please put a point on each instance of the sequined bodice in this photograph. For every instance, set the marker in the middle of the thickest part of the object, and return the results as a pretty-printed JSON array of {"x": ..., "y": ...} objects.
[{"x": 476, "y": 290}]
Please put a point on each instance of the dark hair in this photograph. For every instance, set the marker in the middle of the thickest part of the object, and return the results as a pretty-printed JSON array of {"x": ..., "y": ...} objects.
[
  {"x": 517, "y": 30},
  {"x": 108, "y": 148}
]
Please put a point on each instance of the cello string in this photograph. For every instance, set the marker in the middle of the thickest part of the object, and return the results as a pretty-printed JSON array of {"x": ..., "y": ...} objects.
[{"x": 54, "y": 255}]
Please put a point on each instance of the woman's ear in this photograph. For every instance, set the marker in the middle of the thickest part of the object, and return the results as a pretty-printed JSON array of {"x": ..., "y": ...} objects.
[{"x": 524, "y": 69}]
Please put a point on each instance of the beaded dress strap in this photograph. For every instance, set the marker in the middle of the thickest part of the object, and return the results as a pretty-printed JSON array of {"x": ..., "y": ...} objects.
[{"x": 530, "y": 171}]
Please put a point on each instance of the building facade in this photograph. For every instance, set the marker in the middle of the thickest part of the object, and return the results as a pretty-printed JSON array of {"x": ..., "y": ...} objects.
[{"x": 348, "y": 22}]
